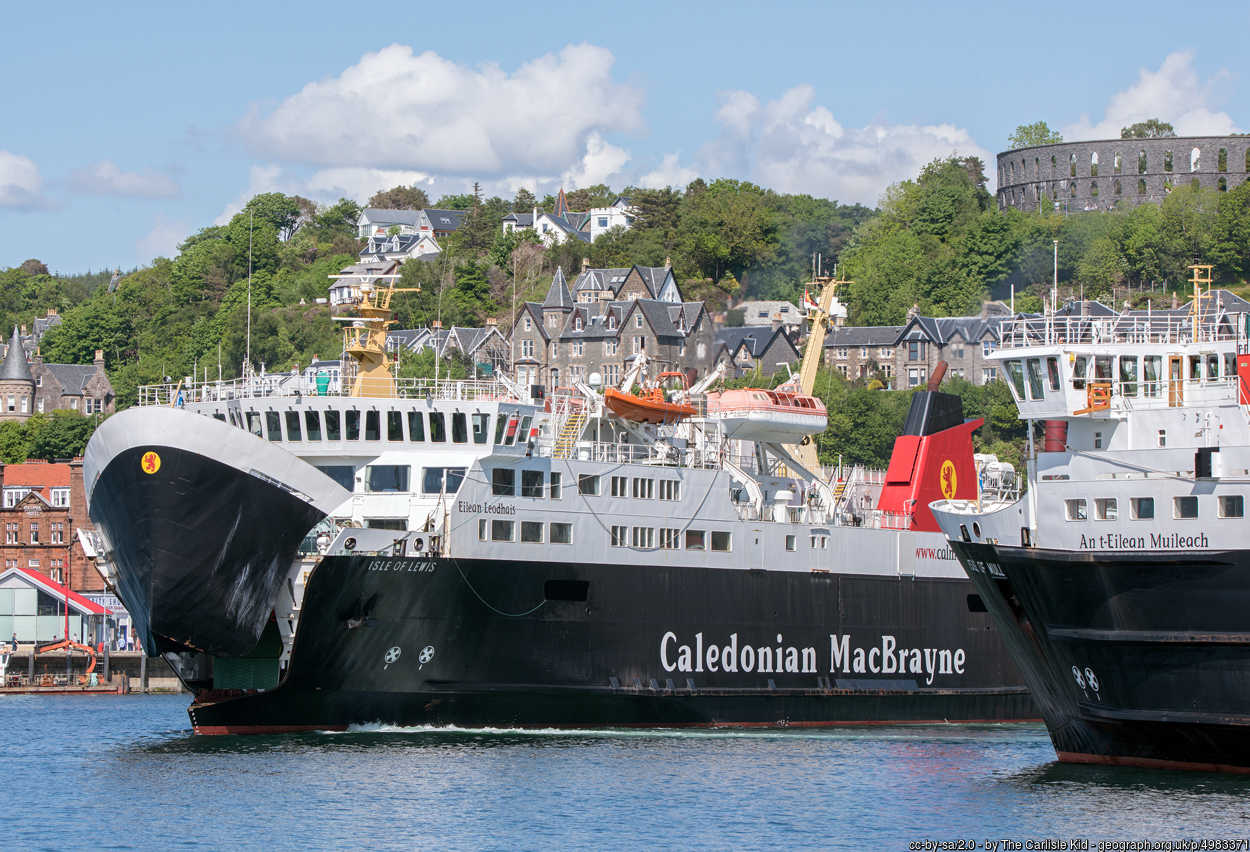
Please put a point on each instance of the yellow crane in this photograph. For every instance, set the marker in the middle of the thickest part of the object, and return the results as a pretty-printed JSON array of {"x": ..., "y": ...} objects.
[
  {"x": 804, "y": 382},
  {"x": 364, "y": 340}
]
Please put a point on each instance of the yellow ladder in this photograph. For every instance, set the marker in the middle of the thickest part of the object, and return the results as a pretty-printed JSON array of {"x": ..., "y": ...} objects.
[{"x": 570, "y": 430}]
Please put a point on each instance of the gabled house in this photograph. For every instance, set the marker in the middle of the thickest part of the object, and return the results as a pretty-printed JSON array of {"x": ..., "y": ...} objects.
[
  {"x": 42, "y": 505},
  {"x": 346, "y": 287},
  {"x": 963, "y": 342},
  {"x": 378, "y": 221},
  {"x": 560, "y": 340},
  {"x": 766, "y": 348},
  {"x": 620, "y": 284},
  {"x": 28, "y": 385},
  {"x": 767, "y": 312},
  {"x": 399, "y": 247},
  {"x": 563, "y": 224},
  {"x": 863, "y": 352},
  {"x": 618, "y": 214}
]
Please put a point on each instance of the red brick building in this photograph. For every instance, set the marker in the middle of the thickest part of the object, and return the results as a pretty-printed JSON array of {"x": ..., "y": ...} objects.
[{"x": 42, "y": 506}]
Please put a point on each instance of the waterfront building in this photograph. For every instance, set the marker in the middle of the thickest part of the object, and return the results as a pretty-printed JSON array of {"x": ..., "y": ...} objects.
[{"x": 43, "y": 504}]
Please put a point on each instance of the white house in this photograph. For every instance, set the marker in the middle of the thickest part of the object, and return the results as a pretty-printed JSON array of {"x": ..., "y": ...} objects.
[
  {"x": 619, "y": 214},
  {"x": 399, "y": 247},
  {"x": 374, "y": 221}
]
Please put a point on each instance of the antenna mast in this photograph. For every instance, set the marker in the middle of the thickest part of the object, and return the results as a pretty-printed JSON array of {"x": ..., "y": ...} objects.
[{"x": 248, "y": 356}]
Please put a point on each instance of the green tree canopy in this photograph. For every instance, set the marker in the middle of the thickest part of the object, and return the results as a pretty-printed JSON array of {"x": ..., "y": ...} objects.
[
  {"x": 1037, "y": 133},
  {"x": 400, "y": 198},
  {"x": 1151, "y": 128}
]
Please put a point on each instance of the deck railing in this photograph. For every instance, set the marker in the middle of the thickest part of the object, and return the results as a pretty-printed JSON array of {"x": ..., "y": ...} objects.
[
  {"x": 1119, "y": 328},
  {"x": 299, "y": 386}
]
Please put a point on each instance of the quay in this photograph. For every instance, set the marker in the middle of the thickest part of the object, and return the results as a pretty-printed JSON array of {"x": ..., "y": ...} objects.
[{"x": 61, "y": 673}]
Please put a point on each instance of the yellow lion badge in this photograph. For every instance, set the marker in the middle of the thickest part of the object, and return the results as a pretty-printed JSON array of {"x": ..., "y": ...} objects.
[
  {"x": 948, "y": 480},
  {"x": 150, "y": 463}
]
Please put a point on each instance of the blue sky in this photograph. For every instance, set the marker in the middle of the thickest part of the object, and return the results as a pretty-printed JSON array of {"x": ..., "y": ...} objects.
[{"x": 126, "y": 129}]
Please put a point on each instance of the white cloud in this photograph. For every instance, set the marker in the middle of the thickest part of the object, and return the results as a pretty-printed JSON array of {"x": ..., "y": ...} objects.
[
  {"x": 420, "y": 112},
  {"x": 21, "y": 186},
  {"x": 105, "y": 178},
  {"x": 793, "y": 145},
  {"x": 601, "y": 161},
  {"x": 1173, "y": 94},
  {"x": 668, "y": 173},
  {"x": 357, "y": 183},
  {"x": 163, "y": 239}
]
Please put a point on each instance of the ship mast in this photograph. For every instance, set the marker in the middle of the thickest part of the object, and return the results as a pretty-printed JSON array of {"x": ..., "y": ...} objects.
[
  {"x": 364, "y": 340},
  {"x": 1202, "y": 275}
]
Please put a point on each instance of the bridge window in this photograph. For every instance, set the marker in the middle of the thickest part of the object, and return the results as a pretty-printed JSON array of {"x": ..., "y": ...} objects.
[
  {"x": 394, "y": 426},
  {"x": 1105, "y": 509},
  {"x": 1213, "y": 366},
  {"x": 588, "y": 484},
  {"x": 502, "y": 531},
  {"x": 292, "y": 426},
  {"x": 1185, "y": 508},
  {"x": 1035, "y": 378},
  {"x": 1152, "y": 369},
  {"x": 416, "y": 426},
  {"x": 503, "y": 482},
  {"x": 532, "y": 532},
  {"x": 273, "y": 425},
  {"x": 481, "y": 427},
  {"x": 560, "y": 533},
  {"x": 531, "y": 483},
  {"x": 1232, "y": 506},
  {"x": 438, "y": 427},
  {"x": 694, "y": 539},
  {"x": 373, "y": 425},
  {"x": 1128, "y": 375},
  {"x": 1102, "y": 368},
  {"x": 387, "y": 477},
  {"x": 1142, "y": 508},
  {"x": 1015, "y": 372},
  {"x": 312, "y": 425},
  {"x": 333, "y": 432},
  {"x": 722, "y": 541},
  {"x": 1079, "y": 368},
  {"x": 459, "y": 428},
  {"x": 1052, "y": 372},
  {"x": 1076, "y": 510}
]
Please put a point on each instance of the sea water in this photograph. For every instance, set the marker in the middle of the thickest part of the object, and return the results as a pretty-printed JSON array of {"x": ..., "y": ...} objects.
[{"x": 126, "y": 772}]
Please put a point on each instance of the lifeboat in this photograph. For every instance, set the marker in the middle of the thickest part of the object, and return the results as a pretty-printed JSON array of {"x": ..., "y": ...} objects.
[
  {"x": 757, "y": 414},
  {"x": 648, "y": 406}
]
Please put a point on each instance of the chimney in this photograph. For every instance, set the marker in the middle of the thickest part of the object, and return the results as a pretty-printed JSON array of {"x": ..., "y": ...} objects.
[
  {"x": 776, "y": 321},
  {"x": 437, "y": 324},
  {"x": 585, "y": 263},
  {"x": 1174, "y": 304},
  {"x": 668, "y": 262},
  {"x": 99, "y": 359},
  {"x": 51, "y": 312},
  {"x": 913, "y": 310},
  {"x": 491, "y": 322}
]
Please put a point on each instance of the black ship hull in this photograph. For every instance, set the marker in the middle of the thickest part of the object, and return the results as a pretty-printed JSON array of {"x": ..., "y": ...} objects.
[
  {"x": 495, "y": 643},
  {"x": 1138, "y": 659},
  {"x": 200, "y": 547}
]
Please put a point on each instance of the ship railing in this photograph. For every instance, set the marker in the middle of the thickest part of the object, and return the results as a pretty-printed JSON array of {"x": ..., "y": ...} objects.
[
  {"x": 299, "y": 386},
  {"x": 1120, "y": 328}
]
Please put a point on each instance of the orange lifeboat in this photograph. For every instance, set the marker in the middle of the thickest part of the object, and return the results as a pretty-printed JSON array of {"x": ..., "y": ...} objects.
[
  {"x": 648, "y": 405},
  {"x": 759, "y": 414}
]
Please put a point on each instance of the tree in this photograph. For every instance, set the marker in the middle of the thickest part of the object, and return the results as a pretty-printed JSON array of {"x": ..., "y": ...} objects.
[
  {"x": 463, "y": 201},
  {"x": 283, "y": 212},
  {"x": 400, "y": 198},
  {"x": 599, "y": 195},
  {"x": 1037, "y": 133},
  {"x": 34, "y": 266},
  {"x": 727, "y": 228},
  {"x": 1151, "y": 128},
  {"x": 524, "y": 202}
]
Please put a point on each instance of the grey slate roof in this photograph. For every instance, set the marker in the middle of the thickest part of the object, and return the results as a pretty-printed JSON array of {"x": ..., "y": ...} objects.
[
  {"x": 756, "y": 338},
  {"x": 558, "y": 295},
  {"x": 72, "y": 377},
  {"x": 383, "y": 245},
  {"x": 523, "y": 220},
  {"x": 446, "y": 220},
  {"x": 379, "y": 215},
  {"x": 862, "y": 335},
  {"x": 15, "y": 368},
  {"x": 601, "y": 279}
]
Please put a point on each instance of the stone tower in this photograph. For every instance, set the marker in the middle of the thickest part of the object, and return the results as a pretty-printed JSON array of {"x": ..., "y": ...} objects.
[{"x": 17, "y": 385}]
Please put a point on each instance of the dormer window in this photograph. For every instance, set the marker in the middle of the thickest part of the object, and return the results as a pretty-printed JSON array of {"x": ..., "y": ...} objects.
[
  {"x": 638, "y": 321},
  {"x": 578, "y": 323}
]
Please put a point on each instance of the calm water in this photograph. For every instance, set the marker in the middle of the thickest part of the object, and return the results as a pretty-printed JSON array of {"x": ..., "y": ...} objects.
[{"x": 109, "y": 772}]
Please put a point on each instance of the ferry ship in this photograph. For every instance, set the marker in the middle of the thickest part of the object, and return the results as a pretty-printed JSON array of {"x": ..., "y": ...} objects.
[
  {"x": 1120, "y": 579},
  {"x": 583, "y": 568}
]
